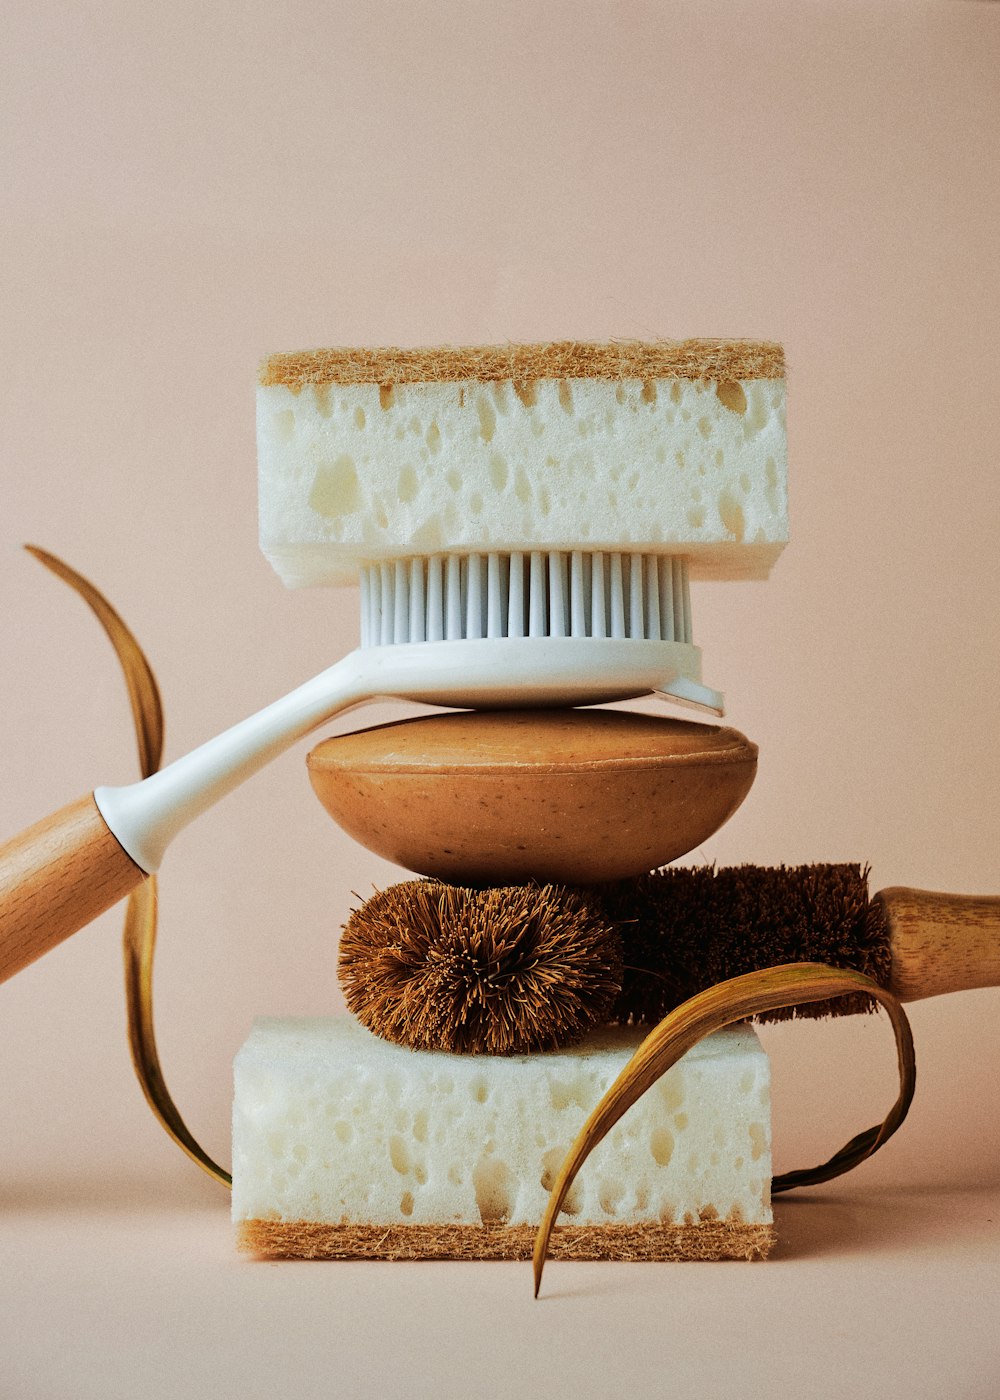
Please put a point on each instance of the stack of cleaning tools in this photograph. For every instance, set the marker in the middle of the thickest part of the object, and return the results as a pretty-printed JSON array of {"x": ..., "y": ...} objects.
[
  {"x": 496, "y": 1003},
  {"x": 524, "y": 505}
]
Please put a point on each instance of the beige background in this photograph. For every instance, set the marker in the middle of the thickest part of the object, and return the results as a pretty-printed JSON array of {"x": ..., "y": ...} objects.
[{"x": 188, "y": 187}]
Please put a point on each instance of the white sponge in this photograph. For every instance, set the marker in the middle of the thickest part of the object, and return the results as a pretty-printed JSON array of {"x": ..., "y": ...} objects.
[
  {"x": 345, "y": 1144},
  {"x": 672, "y": 447}
]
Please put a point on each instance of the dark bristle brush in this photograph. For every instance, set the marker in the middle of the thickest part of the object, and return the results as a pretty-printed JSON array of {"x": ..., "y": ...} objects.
[
  {"x": 673, "y": 933},
  {"x": 685, "y": 929}
]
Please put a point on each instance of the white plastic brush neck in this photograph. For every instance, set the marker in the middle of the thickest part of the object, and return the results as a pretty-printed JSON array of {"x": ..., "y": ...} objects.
[
  {"x": 476, "y": 631},
  {"x": 557, "y": 593}
]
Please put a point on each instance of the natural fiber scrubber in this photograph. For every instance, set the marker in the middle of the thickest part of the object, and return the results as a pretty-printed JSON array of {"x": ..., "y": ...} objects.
[
  {"x": 501, "y": 971},
  {"x": 345, "y": 1146},
  {"x": 568, "y": 795},
  {"x": 656, "y": 447}
]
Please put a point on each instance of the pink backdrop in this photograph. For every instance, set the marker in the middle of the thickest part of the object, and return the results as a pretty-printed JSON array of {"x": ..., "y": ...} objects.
[{"x": 188, "y": 187}]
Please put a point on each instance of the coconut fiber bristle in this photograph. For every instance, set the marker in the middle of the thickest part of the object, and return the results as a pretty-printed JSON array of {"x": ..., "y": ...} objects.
[
  {"x": 685, "y": 929},
  {"x": 718, "y": 360},
  {"x": 515, "y": 969},
  {"x": 500, "y": 971}
]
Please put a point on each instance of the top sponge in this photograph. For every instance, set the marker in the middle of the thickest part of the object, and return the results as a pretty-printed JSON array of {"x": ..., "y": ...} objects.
[{"x": 670, "y": 447}]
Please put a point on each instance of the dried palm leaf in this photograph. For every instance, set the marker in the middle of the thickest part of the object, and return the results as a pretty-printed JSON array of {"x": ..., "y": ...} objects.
[
  {"x": 139, "y": 938},
  {"x": 718, "y": 1006}
]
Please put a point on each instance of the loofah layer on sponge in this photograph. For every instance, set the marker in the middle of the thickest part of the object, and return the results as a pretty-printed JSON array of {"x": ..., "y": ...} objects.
[
  {"x": 666, "y": 447},
  {"x": 304, "y": 1239},
  {"x": 723, "y": 360},
  {"x": 341, "y": 1140}
]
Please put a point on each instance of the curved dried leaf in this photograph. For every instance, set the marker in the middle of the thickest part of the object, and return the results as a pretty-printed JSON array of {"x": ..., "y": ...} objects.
[
  {"x": 143, "y": 693},
  {"x": 139, "y": 938},
  {"x": 768, "y": 989},
  {"x": 138, "y": 948}
]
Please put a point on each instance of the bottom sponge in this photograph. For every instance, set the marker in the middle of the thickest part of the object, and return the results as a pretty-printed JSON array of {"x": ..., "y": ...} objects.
[{"x": 346, "y": 1146}]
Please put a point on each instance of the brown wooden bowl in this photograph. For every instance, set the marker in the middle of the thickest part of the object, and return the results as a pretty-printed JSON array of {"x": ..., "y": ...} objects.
[{"x": 578, "y": 796}]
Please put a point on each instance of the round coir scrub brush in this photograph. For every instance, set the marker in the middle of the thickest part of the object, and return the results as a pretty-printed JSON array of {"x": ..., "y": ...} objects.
[{"x": 501, "y": 971}]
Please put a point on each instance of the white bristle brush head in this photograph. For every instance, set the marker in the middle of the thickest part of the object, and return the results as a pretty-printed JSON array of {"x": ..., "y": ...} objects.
[
  {"x": 535, "y": 627},
  {"x": 451, "y": 597}
]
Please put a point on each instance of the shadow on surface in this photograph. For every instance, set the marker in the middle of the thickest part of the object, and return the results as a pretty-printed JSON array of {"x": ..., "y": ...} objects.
[{"x": 829, "y": 1225}]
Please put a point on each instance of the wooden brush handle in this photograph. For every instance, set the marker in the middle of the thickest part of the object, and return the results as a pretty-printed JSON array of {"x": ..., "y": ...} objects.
[
  {"x": 941, "y": 942},
  {"x": 54, "y": 878}
]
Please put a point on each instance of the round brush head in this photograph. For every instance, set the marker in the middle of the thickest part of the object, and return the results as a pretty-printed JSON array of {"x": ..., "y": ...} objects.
[{"x": 501, "y": 971}]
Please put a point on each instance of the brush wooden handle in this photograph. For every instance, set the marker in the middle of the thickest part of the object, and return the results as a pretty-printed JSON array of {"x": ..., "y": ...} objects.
[
  {"x": 941, "y": 942},
  {"x": 54, "y": 878}
]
